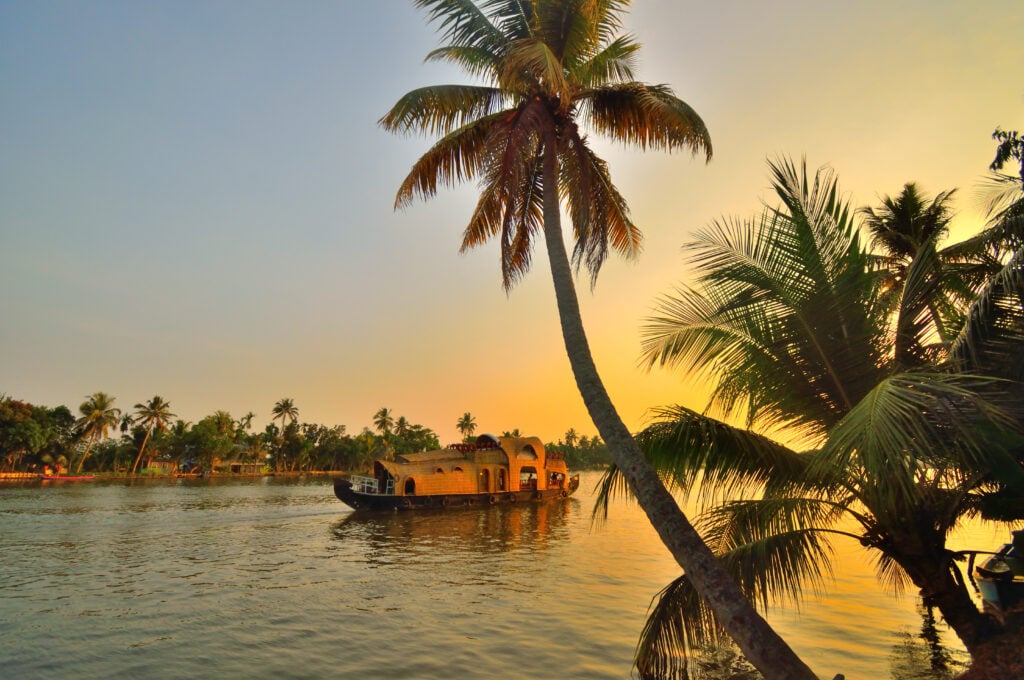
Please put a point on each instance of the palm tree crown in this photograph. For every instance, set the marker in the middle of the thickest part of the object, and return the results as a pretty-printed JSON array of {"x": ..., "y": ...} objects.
[
  {"x": 285, "y": 409},
  {"x": 384, "y": 421},
  {"x": 466, "y": 425},
  {"x": 549, "y": 67}
]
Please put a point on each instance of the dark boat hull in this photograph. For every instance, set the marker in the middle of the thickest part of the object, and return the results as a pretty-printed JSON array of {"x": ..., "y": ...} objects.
[
  {"x": 68, "y": 478},
  {"x": 365, "y": 501}
]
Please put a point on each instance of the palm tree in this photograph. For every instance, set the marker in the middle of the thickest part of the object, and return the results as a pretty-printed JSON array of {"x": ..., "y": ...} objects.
[
  {"x": 285, "y": 409},
  {"x": 466, "y": 425},
  {"x": 908, "y": 228},
  {"x": 384, "y": 421},
  {"x": 551, "y": 66},
  {"x": 788, "y": 323},
  {"x": 152, "y": 415},
  {"x": 98, "y": 416},
  {"x": 571, "y": 437}
]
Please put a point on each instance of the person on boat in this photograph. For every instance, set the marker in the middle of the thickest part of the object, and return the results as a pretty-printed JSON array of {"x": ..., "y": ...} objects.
[{"x": 47, "y": 471}]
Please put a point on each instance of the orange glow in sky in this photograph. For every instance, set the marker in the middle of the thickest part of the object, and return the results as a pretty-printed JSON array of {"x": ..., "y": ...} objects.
[{"x": 196, "y": 200}]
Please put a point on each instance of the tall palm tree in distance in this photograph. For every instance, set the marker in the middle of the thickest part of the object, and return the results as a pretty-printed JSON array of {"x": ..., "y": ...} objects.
[
  {"x": 286, "y": 410},
  {"x": 908, "y": 228},
  {"x": 550, "y": 67},
  {"x": 384, "y": 421},
  {"x": 98, "y": 415},
  {"x": 466, "y": 425},
  {"x": 152, "y": 415}
]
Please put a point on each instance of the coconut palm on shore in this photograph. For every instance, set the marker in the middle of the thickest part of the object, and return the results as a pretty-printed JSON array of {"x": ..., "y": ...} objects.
[
  {"x": 98, "y": 416},
  {"x": 902, "y": 434},
  {"x": 551, "y": 66},
  {"x": 152, "y": 415}
]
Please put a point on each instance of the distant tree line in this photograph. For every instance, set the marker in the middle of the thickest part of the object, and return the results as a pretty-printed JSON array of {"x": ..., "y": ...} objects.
[
  {"x": 151, "y": 439},
  {"x": 582, "y": 452}
]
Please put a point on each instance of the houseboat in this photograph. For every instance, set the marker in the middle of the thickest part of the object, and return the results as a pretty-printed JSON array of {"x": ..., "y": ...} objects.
[{"x": 488, "y": 471}]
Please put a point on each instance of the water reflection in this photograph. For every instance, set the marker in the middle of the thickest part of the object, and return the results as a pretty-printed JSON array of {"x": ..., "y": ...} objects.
[
  {"x": 495, "y": 529},
  {"x": 923, "y": 656}
]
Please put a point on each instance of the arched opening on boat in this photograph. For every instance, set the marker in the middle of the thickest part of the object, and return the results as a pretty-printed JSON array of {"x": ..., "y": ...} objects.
[
  {"x": 526, "y": 453},
  {"x": 410, "y": 487},
  {"x": 501, "y": 479},
  {"x": 528, "y": 478},
  {"x": 485, "y": 480}
]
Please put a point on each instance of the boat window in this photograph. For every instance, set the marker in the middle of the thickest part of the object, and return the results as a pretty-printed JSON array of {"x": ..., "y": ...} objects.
[
  {"x": 439, "y": 471},
  {"x": 410, "y": 487},
  {"x": 456, "y": 469},
  {"x": 527, "y": 478},
  {"x": 501, "y": 480}
]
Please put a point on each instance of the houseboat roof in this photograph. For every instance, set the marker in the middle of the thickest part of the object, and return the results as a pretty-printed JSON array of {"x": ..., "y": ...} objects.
[{"x": 427, "y": 456}]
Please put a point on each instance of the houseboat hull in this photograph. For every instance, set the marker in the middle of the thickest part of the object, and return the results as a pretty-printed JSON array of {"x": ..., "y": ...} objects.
[{"x": 345, "y": 492}]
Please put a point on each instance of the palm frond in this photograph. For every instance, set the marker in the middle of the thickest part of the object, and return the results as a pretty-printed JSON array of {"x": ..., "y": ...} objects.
[
  {"x": 610, "y": 486},
  {"x": 997, "y": 192},
  {"x": 909, "y": 423},
  {"x": 463, "y": 23},
  {"x": 916, "y": 320},
  {"x": 511, "y": 193},
  {"x": 440, "y": 109},
  {"x": 456, "y": 157},
  {"x": 647, "y": 116},
  {"x": 787, "y": 326},
  {"x": 780, "y": 567},
  {"x": 475, "y": 61},
  {"x": 614, "y": 64},
  {"x": 770, "y": 568},
  {"x": 694, "y": 452},
  {"x": 531, "y": 67},
  {"x": 891, "y": 574},
  {"x": 992, "y": 338},
  {"x": 599, "y": 213},
  {"x": 679, "y": 623}
]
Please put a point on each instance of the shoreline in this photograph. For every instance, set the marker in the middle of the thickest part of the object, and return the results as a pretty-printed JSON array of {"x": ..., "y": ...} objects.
[{"x": 100, "y": 476}]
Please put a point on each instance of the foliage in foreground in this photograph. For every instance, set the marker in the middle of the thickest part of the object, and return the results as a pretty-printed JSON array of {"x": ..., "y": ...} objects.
[{"x": 899, "y": 375}]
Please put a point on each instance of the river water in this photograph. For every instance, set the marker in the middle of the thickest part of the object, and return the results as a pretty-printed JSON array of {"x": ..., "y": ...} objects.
[{"x": 276, "y": 578}]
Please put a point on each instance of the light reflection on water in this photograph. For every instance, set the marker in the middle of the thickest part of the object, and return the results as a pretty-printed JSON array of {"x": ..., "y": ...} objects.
[{"x": 265, "y": 577}]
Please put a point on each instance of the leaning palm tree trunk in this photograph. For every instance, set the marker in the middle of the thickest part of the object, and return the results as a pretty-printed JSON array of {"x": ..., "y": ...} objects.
[
  {"x": 142, "y": 448},
  {"x": 760, "y": 644},
  {"x": 88, "y": 448}
]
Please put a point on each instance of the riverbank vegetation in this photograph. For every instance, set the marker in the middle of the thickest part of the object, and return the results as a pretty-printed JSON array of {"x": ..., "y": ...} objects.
[{"x": 152, "y": 440}]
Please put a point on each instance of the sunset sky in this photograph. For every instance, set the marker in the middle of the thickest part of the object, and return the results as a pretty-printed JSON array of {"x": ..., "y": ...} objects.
[{"x": 196, "y": 199}]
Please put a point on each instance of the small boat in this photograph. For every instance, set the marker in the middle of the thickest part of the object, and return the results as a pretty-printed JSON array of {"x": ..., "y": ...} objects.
[
  {"x": 1000, "y": 577},
  {"x": 67, "y": 478},
  {"x": 489, "y": 471}
]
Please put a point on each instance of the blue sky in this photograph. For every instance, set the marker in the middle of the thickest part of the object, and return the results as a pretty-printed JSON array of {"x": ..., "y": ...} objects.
[{"x": 196, "y": 201}]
